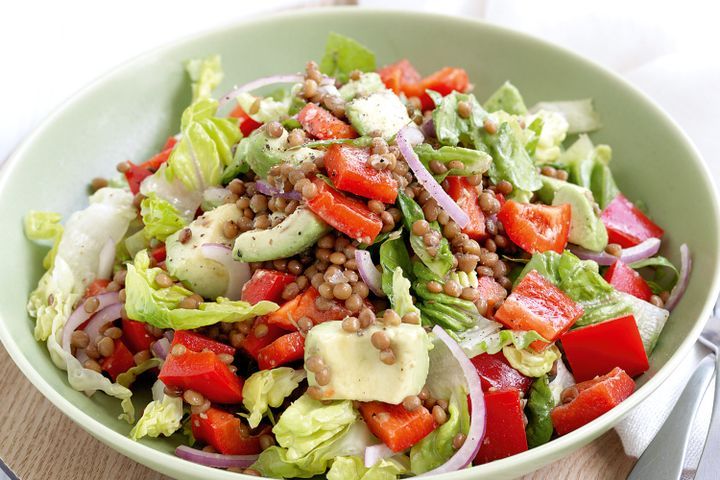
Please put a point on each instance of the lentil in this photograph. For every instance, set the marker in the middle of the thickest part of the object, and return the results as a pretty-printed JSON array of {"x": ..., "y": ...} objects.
[
  {"x": 274, "y": 129},
  {"x": 366, "y": 317},
  {"x": 380, "y": 340},
  {"x": 490, "y": 126},
  {"x": 458, "y": 440},
  {"x": 434, "y": 287},
  {"x": 342, "y": 291},
  {"x": 113, "y": 332},
  {"x": 569, "y": 394},
  {"x": 178, "y": 349},
  {"x": 439, "y": 414},
  {"x": 193, "y": 398},
  {"x": 411, "y": 403},
  {"x": 79, "y": 339},
  {"x": 387, "y": 357},
  {"x": 98, "y": 183},
  {"x": 351, "y": 324},
  {"x": 412, "y": 318},
  {"x": 163, "y": 280},
  {"x": 354, "y": 303},
  {"x": 305, "y": 324},
  {"x": 91, "y": 304},
  {"x": 314, "y": 392},
  {"x": 226, "y": 358},
  {"x": 452, "y": 288},
  {"x": 191, "y": 302},
  {"x": 614, "y": 249},
  {"x": 105, "y": 346},
  {"x": 266, "y": 441},
  {"x": 657, "y": 301},
  {"x": 200, "y": 409},
  {"x": 91, "y": 364},
  {"x": 185, "y": 235},
  {"x": 323, "y": 377}
]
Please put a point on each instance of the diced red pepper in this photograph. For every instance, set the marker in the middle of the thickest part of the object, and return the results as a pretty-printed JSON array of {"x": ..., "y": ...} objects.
[
  {"x": 504, "y": 427},
  {"x": 594, "y": 397},
  {"x": 119, "y": 362},
  {"x": 246, "y": 123},
  {"x": 535, "y": 227},
  {"x": 352, "y": 217},
  {"x": 444, "y": 81},
  {"x": 266, "y": 285},
  {"x": 399, "y": 75},
  {"x": 252, "y": 344},
  {"x": 626, "y": 224},
  {"x": 596, "y": 349},
  {"x": 466, "y": 197},
  {"x": 97, "y": 287},
  {"x": 322, "y": 124},
  {"x": 304, "y": 306},
  {"x": 398, "y": 428},
  {"x": 225, "y": 433},
  {"x": 203, "y": 372},
  {"x": 134, "y": 175},
  {"x": 491, "y": 291},
  {"x": 159, "y": 253},
  {"x": 198, "y": 343},
  {"x": 497, "y": 374},
  {"x": 158, "y": 159},
  {"x": 136, "y": 335},
  {"x": 286, "y": 349},
  {"x": 349, "y": 170},
  {"x": 536, "y": 304},
  {"x": 626, "y": 279}
]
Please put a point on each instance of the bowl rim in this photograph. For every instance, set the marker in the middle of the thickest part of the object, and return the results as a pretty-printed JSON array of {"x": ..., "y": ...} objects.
[{"x": 170, "y": 464}]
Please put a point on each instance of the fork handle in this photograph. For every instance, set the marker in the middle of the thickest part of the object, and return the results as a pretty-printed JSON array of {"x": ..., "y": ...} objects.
[
  {"x": 663, "y": 458},
  {"x": 709, "y": 465}
]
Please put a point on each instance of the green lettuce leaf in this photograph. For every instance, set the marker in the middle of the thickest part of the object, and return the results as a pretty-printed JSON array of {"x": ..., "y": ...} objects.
[
  {"x": 539, "y": 429},
  {"x": 353, "y": 468},
  {"x": 451, "y": 313},
  {"x": 506, "y": 98},
  {"x": 486, "y": 336},
  {"x": 649, "y": 318},
  {"x": 393, "y": 255},
  {"x": 529, "y": 362},
  {"x": 343, "y": 55},
  {"x": 666, "y": 274},
  {"x": 511, "y": 161},
  {"x": 160, "y": 217},
  {"x": 205, "y": 75},
  {"x": 549, "y": 131},
  {"x": 149, "y": 303},
  {"x": 44, "y": 226},
  {"x": 127, "y": 378},
  {"x": 581, "y": 159},
  {"x": 402, "y": 301},
  {"x": 436, "y": 448},
  {"x": 580, "y": 115},
  {"x": 270, "y": 108},
  {"x": 452, "y": 129},
  {"x": 269, "y": 388},
  {"x": 474, "y": 162},
  {"x": 162, "y": 416}
]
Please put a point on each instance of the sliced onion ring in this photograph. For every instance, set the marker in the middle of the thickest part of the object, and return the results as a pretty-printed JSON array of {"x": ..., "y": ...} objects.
[
  {"x": 217, "y": 460},
  {"x": 103, "y": 317},
  {"x": 259, "y": 83},
  {"x": 406, "y": 138},
  {"x": 368, "y": 272},
  {"x": 80, "y": 316},
  {"x": 238, "y": 272},
  {"x": 161, "y": 348},
  {"x": 641, "y": 251},
  {"x": 685, "y": 268},
  {"x": 465, "y": 454},
  {"x": 267, "y": 189},
  {"x": 375, "y": 453}
]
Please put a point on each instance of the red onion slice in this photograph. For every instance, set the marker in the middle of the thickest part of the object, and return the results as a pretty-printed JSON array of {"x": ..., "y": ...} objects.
[
  {"x": 428, "y": 128},
  {"x": 217, "y": 460},
  {"x": 375, "y": 453},
  {"x": 267, "y": 189},
  {"x": 255, "y": 84},
  {"x": 406, "y": 138},
  {"x": 102, "y": 317},
  {"x": 106, "y": 259},
  {"x": 685, "y": 268},
  {"x": 465, "y": 454},
  {"x": 641, "y": 251},
  {"x": 238, "y": 272},
  {"x": 161, "y": 348},
  {"x": 169, "y": 334},
  {"x": 368, "y": 272},
  {"x": 80, "y": 316}
]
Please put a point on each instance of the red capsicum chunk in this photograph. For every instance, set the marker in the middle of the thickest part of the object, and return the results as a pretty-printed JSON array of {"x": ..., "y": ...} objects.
[
  {"x": 246, "y": 124},
  {"x": 352, "y": 217},
  {"x": 225, "y": 433},
  {"x": 252, "y": 343},
  {"x": 504, "y": 426},
  {"x": 136, "y": 335},
  {"x": 322, "y": 124},
  {"x": 400, "y": 76},
  {"x": 198, "y": 343},
  {"x": 395, "y": 426},
  {"x": 536, "y": 304},
  {"x": 596, "y": 349},
  {"x": 266, "y": 285},
  {"x": 497, "y": 374},
  {"x": 119, "y": 362},
  {"x": 203, "y": 372},
  {"x": 626, "y": 224},
  {"x": 97, "y": 287},
  {"x": 158, "y": 159},
  {"x": 159, "y": 253},
  {"x": 466, "y": 196},
  {"x": 349, "y": 171},
  {"x": 594, "y": 397},
  {"x": 304, "y": 306},
  {"x": 134, "y": 175},
  {"x": 491, "y": 291},
  {"x": 286, "y": 349},
  {"x": 534, "y": 227},
  {"x": 626, "y": 279}
]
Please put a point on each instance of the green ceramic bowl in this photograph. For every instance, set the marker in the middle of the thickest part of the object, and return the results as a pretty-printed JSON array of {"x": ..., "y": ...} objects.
[{"x": 129, "y": 112}]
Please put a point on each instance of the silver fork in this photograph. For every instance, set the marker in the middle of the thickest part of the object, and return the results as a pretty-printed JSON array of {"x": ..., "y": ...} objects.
[{"x": 664, "y": 457}]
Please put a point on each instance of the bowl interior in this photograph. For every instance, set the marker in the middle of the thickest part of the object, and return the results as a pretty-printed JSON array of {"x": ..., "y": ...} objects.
[{"x": 128, "y": 114}]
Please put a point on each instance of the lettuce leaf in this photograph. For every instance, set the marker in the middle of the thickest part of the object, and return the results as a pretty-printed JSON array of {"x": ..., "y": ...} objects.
[
  {"x": 580, "y": 115},
  {"x": 343, "y": 55},
  {"x": 402, "y": 301},
  {"x": 160, "y": 217},
  {"x": 474, "y": 162},
  {"x": 529, "y": 362},
  {"x": 539, "y": 429},
  {"x": 451, "y": 313},
  {"x": 269, "y": 388},
  {"x": 563, "y": 379},
  {"x": 393, "y": 255},
  {"x": 270, "y": 109},
  {"x": 506, "y": 98},
  {"x": 44, "y": 226},
  {"x": 452, "y": 129},
  {"x": 148, "y": 302},
  {"x": 205, "y": 75},
  {"x": 511, "y": 161},
  {"x": 547, "y": 143},
  {"x": 162, "y": 416},
  {"x": 487, "y": 337},
  {"x": 353, "y": 468}
]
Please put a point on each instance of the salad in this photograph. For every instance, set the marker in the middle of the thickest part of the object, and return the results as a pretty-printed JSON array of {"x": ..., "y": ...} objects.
[{"x": 361, "y": 273}]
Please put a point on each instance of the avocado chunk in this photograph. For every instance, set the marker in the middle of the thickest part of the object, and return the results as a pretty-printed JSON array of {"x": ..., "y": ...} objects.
[
  {"x": 356, "y": 372},
  {"x": 586, "y": 228},
  {"x": 366, "y": 85},
  {"x": 298, "y": 232},
  {"x": 382, "y": 112},
  {"x": 508, "y": 99},
  {"x": 186, "y": 262}
]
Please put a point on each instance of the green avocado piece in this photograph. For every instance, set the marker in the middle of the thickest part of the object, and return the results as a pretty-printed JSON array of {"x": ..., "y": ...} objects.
[
  {"x": 549, "y": 188},
  {"x": 366, "y": 85},
  {"x": 586, "y": 228},
  {"x": 508, "y": 99},
  {"x": 298, "y": 232},
  {"x": 382, "y": 112}
]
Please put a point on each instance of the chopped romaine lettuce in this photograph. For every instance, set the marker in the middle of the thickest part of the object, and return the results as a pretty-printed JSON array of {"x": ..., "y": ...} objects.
[
  {"x": 539, "y": 428},
  {"x": 402, "y": 301},
  {"x": 393, "y": 254},
  {"x": 548, "y": 143},
  {"x": 452, "y": 129},
  {"x": 162, "y": 416},
  {"x": 666, "y": 274},
  {"x": 270, "y": 109},
  {"x": 649, "y": 318},
  {"x": 581, "y": 115},
  {"x": 343, "y": 55},
  {"x": 269, "y": 388},
  {"x": 529, "y": 362},
  {"x": 511, "y": 161},
  {"x": 474, "y": 162},
  {"x": 45, "y": 226},
  {"x": 160, "y": 217},
  {"x": 353, "y": 468},
  {"x": 205, "y": 75},
  {"x": 508, "y": 99},
  {"x": 487, "y": 337}
]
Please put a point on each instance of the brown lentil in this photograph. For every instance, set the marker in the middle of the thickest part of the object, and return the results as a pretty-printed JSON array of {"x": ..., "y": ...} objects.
[
  {"x": 92, "y": 351},
  {"x": 79, "y": 339},
  {"x": 252, "y": 472},
  {"x": 434, "y": 287},
  {"x": 439, "y": 414},
  {"x": 323, "y": 377},
  {"x": 113, "y": 332},
  {"x": 193, "y": 398},
  {"x": 351, "y": 324},
  {"x": 163, "y": 280},
  {"x": 391, "y": 318},
  {"x": 266, "y": 441},
  {"x": 387, "y": 357},
  {"x": 437, "y": 167},
  {"x": 420, "y": 227},
  {"x": 380, "y": 340},
  {"x": 490, "y": 126},
  {"x": 305, "y": 324},
  {"x": 366, "y": 318},
  {"x": 337, "y": 258},
  {"x": 504, "y": 187},
  {"x": 142, "y": 356},
  {"x": 657, "y": 301},
  {"x": 91, "y": 364},
  {"x": 488, "y": 203},
  {"x": 274, "y": 129},
  {"x": 200, "y": 409},
  {"x": 98, "y": 183},
  {"x": 469, "y": 293},
  {"x": 91, "y": 304},
  {"x": 562, "y": 175},
  {"x": 105, "y": 346},
  {"x": 614, "y": 249},
  {"x": 290, "y": 291},
  {"x": 411, "y": 403},
  {"x": 464, "y": 109},
  {"x": 431, "y": 210},
  {"x": 185, "y": 235},
  {"x": 458, "y": 440},
  {"x": 226, "y": 358},
  {"x": 342, "y": 291},
  {"x": 354, "y": 303},
  {"x": 314, "y": 363},
  {"x": 412, "y": 318},
  {"x": 452, "y": 288},
  {"x": 569, "y": 394},
  {"x": 191, "y": 302},
  {"x": 122, "y": 167},
  {"x": 314, "y": 392}
]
